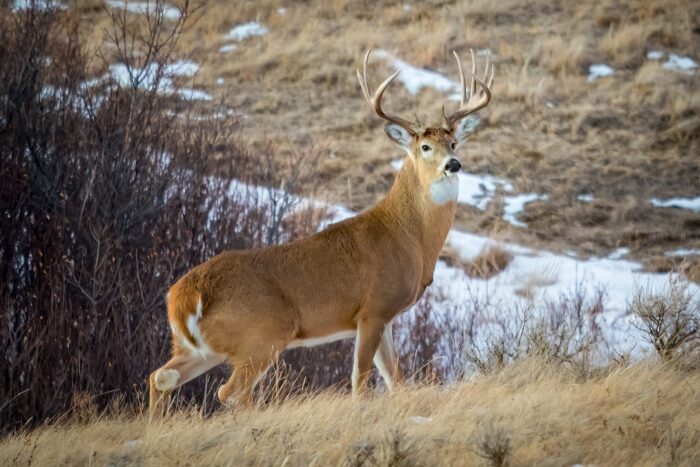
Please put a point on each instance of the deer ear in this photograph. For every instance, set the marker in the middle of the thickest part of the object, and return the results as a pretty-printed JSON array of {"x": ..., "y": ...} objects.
[
  {"x": 465, "y": 128},
  {"x": 398, "y": 134}
]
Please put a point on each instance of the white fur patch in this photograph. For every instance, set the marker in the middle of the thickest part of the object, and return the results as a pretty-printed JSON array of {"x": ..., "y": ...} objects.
[
  {"x": 193, "y": 326},
  {"x": 314, "y": 341},
  {"x": 444, "y": 189},
  {"x": 166, "y": 379},
  {"x": 201, "y": 348}
]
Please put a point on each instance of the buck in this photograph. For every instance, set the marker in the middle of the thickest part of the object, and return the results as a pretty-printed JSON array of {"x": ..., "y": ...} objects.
[{"x": 349, "y": 280}]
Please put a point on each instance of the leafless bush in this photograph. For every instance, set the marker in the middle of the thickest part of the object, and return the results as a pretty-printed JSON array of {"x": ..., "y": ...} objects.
[
  {"x": 562, "y": 331},
  {"x": 669, "y": 319},
  {"x": 429, "y": 338},
  {"x": 493, "y": 444},
  {"x": 105, "y": 201}
]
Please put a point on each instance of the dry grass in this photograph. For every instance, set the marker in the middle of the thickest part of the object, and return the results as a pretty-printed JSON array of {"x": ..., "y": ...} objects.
[
  {"x": 488, "y": 263},
  {"x": 529, "y": 413}
]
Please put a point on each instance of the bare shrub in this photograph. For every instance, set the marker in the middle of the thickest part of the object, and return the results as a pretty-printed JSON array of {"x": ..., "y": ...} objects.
[
  {"x": 561, "y": 331},
  {"x": 493, "y": 444},
  {"x": 669, "y": 319},
  {"x": 106, "y": 200}
]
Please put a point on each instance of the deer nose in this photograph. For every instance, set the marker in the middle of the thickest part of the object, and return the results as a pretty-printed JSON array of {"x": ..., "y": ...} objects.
[{"x": 453, "y": 165}]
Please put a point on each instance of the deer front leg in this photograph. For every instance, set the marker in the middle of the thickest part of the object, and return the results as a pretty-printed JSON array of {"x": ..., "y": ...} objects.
[
  {"x": 386, "y": 360},
  {"x": 369, "y": 333}
]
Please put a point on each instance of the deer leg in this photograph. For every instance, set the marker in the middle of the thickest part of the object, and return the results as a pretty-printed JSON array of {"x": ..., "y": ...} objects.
[
  {"x": 177, "y": 371},
  {"x": 238, "y": 390},
  {"x": 386, "y": 360},
  {"x": 369, "y": 333}
]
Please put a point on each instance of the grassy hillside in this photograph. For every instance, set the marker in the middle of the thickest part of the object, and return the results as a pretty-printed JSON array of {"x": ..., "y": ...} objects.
[
  {"x": 531, "y": 413},
  {"x": 622, "y": 139}
]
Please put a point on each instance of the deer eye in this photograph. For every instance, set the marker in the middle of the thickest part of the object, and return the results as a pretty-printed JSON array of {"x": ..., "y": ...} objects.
[
  {"x": 453, "y": 145},
  {"x": 426, "y": 148}
]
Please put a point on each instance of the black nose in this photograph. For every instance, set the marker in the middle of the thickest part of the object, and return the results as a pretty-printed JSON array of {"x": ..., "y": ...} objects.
[{"x": 453, "y": 165}]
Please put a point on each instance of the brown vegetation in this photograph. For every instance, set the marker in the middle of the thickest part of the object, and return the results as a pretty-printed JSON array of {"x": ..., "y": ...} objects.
[
  {"x": 488, "y": 263},
  {"x": 531, "y": 413}
]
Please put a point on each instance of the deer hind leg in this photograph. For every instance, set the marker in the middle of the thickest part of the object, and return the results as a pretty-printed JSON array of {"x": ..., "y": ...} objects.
[
  {"x": 369, "y": 334},
  {"x": 180, "y": 369},
  {"x": 386, "y": 360},
  {"x": 247, "y": 371}
]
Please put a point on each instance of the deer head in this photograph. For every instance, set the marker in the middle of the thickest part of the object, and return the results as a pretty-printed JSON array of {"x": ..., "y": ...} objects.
[{"x": 432, "y": 149}]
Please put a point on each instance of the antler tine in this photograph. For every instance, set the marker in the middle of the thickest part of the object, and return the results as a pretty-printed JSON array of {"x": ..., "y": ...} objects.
[
  {"x": 468, "y": 104},
  {"x": 375, "y": 102}
]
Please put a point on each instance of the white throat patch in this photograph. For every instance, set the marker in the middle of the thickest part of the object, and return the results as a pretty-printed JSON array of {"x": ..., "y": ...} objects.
[{"x": 444, "y": 190}]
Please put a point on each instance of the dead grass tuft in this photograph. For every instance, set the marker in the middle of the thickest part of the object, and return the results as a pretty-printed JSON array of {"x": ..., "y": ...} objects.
[
  {"x": 625, "y": 45},
  {"x": 488, "y": 263},
  {"x": 670, "y": 319},
  {"x": 493, "y": 444},
  {"x": 561, "y": 55}
]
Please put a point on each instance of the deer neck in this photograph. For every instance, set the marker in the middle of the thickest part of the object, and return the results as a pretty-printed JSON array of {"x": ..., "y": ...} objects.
[{"x": 411, "y": 209}]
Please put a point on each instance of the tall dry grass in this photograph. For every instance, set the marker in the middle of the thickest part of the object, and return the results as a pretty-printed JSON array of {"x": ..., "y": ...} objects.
[{"x": 530, "y": 413}]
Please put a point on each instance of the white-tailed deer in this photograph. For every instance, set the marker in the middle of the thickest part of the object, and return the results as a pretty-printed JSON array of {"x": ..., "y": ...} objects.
[{"x": 349, "y": 280}]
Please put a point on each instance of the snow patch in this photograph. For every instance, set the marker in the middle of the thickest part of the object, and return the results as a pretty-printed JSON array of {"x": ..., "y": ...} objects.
[
  {"x": 415, "y": 79},
  {"x": 227, "y": 48},
  {"x": 681, "y": 64},
  {"x": 599, "y": 70},
  {"x": 169, "y": 12},
  {"x": 585, "y": 198},
  {"x": 514, "y": 205},
  {"x": 683, "y": 203},
  {"x": 246, "y": 30},
  {"x": 39, "y": 5},
  {"x": 148, "y": 78},
  {"x": 479, "y": 190},
  {"x": 619, "y": 253},
  {"x": 655, "y": 55},
  {"x": 549, "y": 276},
  {"x": 190, "y": 94},
  {"x": 181, "y": 68},
  {"x": 684, "y": 252}
]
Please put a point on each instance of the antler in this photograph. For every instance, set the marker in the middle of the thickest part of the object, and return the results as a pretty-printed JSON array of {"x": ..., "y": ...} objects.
[
  {"x": 470, "y": 104},
  {"x": 375, "y": 102}
]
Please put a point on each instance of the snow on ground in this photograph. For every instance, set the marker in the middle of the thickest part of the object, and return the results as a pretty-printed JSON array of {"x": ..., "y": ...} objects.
[
  {"x": 585, "y": 198},
  {"x": 514, "y": 205},
  {"x": 681, "y": 64},
  {"x": 41, "y": 5},
  {"x": 169, "y": 11},
  {"x": 655, "y": 55},
  {"x": 683, "y": 203},
  {"x": 415, "y": 79},
  {"x": 246, "y": 30},
  {"x": 147, "y": 78},
  {"x": 599, "y": 70},
  {"x": 181, "y": 68},
  {"x": 684, "y": 252},
  {"x": 227, "y": 48},
  {"x": 479, "y": 189},
  {"x": 619, "y": 253},
  {"x": 541, "y": 275}
]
